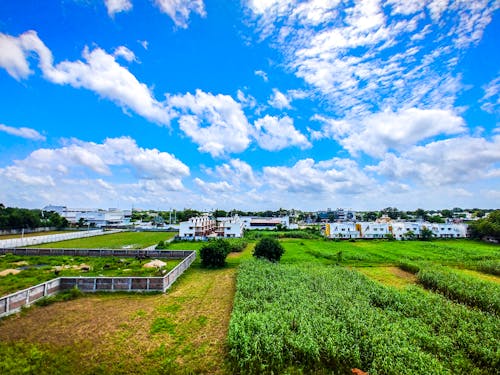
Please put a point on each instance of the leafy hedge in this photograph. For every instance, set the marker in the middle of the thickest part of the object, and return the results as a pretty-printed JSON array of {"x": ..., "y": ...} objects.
[{"x": 321, "y": 319}]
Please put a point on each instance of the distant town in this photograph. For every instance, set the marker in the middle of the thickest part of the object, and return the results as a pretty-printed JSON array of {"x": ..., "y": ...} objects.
[{"x": 191, "y": 224}]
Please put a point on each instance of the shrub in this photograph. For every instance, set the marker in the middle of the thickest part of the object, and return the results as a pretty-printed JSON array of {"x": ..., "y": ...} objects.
[
  {"x": 237, "y": 245},
  {"x": 213, "y": 254},
  {"x": 268, "y": 248},
  {"x": 161, "y": 245}
]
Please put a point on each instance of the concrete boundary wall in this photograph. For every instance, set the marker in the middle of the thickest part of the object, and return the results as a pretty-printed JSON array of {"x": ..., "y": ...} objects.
[
  {"x": 37, "y": 240},
  {"x": 13, "y": 303},
  {"x": 127, "y": 253}
]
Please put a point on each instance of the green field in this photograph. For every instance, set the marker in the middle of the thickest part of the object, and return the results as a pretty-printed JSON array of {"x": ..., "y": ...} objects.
[
  {"x": 132, "y": 240},
  {"x": 10, "y": 236},
  {"x": 326, "y": 308}
]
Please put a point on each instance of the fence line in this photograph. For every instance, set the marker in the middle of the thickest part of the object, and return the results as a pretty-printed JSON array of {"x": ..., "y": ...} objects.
[
  {"x": 13, "y": 303},
  {"x": 37, "y": 240},
  {"x": 127, "y": 253}
]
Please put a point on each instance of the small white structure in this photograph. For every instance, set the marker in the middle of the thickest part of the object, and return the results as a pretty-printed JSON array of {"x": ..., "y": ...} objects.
[
  {"x": 342, "y": 230},
  {"x": 197, "y": 228}
]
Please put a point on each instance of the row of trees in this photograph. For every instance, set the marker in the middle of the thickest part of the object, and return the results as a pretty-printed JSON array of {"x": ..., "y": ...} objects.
[
  {"x": 488, "y": 227},
  {"x": 19, "y": 218}
]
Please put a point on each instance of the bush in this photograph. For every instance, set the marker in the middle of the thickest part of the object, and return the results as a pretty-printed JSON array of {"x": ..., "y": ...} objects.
[
  {"x": 213, "y": 254},
  {"x": 237, "y": 245},
  {"x": 268, "y": 248}
]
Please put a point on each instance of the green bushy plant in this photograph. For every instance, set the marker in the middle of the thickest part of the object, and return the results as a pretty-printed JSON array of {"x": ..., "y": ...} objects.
[{"x": 269, "y": 248}]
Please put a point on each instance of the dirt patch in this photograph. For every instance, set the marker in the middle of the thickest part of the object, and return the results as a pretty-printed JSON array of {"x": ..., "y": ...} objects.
[
  {"x": 9, "y": 271},
  {"x": 392, "y": 276},
  {"x": 396, "y": 271},
  {"x": 156, "y": 263},
  {"x": 20, "y": 263}
]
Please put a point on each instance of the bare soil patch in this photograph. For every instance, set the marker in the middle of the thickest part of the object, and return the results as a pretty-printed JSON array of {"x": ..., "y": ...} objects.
[{"x": 9, "y": 271}]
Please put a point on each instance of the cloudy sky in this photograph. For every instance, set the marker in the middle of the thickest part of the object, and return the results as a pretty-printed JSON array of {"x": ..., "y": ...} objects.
[{"x": 251, "y": 104}]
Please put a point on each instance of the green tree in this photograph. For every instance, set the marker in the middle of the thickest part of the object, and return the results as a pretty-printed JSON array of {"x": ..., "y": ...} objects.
[
  {"x": 214, "y": 253},
  {"x": 426, "y": 234},
  {"x": 269, "y": 248},
  {"x": 487, "y": 227}
]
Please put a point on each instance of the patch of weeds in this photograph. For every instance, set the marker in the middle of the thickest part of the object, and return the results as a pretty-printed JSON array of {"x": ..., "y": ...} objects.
[
  {"x": 202, "y": 320},
  {"x": 67, "y": 295},
  {"x": 161, "y": 325},
  {"x": 169, "y": 308},
  {"x": 138, "y": 314}
]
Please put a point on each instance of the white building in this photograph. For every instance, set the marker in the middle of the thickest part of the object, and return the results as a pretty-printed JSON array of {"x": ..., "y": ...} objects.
[
  {"x": 230, "y": 227},
  {"x": 405, "y": 230},
  {"x": 373, "y": 230},
  {"x": 256, "y": 222},
  {"x": 342, "y": 230},
  {"x": 93, "y": 216},
  {"x": 197, "y": 228},
  {"x": 447, "y": 230}
]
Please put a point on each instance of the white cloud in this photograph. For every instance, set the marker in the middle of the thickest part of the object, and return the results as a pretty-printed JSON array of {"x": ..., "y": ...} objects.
[
  {"x": 27, "y": 133},
  {"x": 451, "y": 161},
  {"x": 228, "y": 130},
  {"x": 491, "y": 97},
  {"x": 346, "y": 50},
  {"x": 99, "y": 73},
  {"x": 117, "y": 6},
  {"x": 273, "y": 133},
  {"x": 377, "y": 133},
  {"x": 247, "y": 100},
  {"x": 262, "y": 74},
  {"x": 279, "y": 100},
  {"x": 180, "y": 10},
  {"x": 124, "y": 52},
  {"x": 81, "y": 172}
]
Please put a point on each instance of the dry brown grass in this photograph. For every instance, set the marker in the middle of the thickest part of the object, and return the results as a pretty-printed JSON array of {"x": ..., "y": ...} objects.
[{"x": 112, "y": 334}]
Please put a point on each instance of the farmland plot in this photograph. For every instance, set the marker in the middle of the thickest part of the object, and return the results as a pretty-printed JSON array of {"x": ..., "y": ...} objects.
[{"x": 320, "y": 319}]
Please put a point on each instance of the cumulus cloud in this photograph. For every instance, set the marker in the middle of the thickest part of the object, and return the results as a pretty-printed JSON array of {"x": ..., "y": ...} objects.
[
  {"x": 366, "y": 55},
  {"x": 124, "y": 52},
  {"x": 117, "y": 6},
  {"x": 180, "y": 10},
  {"x": 88, "y": 158},
  {"x": 279, "y": 100},
  {"x": 100, "y": 72},
  {"x": 273, "y": 133},
  {"x": 226, "y": 127},
  {"x": 450, "y": 161},
  {"x": 377, "y": 133},
  {"x": 22, "y": 132}
]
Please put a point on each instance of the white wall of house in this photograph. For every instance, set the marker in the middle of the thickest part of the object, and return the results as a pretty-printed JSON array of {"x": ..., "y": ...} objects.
[
  {"x": 374, "y": 230},
  {"x": 342, "y": 230}
]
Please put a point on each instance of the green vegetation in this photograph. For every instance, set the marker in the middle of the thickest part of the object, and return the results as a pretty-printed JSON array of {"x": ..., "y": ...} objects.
[
  {"x": 66, "y": 295},
  {"x": 462, "y": 288},
  {"x": 268, "y": 248},
  {"x": 213, "y": 254},
  {"x": 38, "y": 269},
  {"x": 122, "y": 240},
  {"x": 308, "y": 233},
  {"x": 488, "y": 266},
  {"x": 18, "y": 218},
  {"x": 488, "y": 227},
  {"x": 323, "y": 319}
]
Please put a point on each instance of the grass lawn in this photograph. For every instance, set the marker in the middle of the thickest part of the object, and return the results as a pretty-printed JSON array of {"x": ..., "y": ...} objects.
[{"x": 133, "y": 240}]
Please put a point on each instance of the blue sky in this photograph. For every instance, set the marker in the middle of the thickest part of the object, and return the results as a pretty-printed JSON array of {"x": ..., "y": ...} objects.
[{"x": 252, "y": 104}]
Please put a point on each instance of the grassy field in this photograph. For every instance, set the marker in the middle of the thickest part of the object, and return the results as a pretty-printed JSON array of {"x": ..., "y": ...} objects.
[
  {"x": 34, "y": 270},
  {"x": 378, "y": 316},
  {"x": 133, "y": 240}
]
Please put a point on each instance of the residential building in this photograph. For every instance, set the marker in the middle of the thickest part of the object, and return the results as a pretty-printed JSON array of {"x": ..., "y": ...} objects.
[
  {"x": 197, "y": 228},
  {"x": 342, "y": 230}
]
